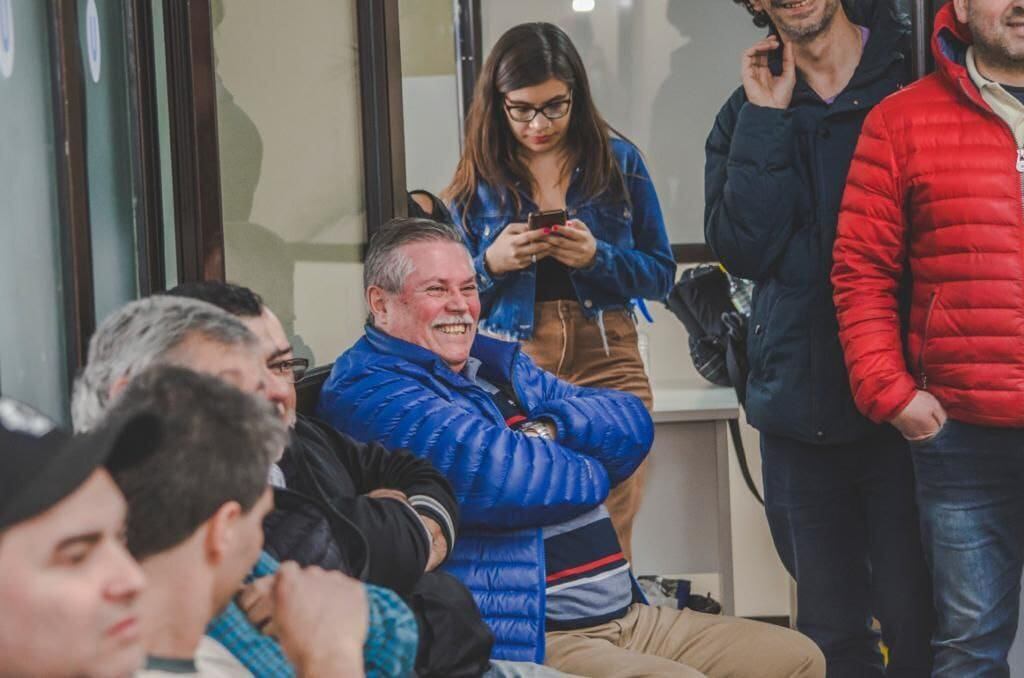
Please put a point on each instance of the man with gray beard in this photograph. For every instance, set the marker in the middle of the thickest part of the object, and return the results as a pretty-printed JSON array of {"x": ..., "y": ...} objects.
[
  {"x": 839, "y": 488},
  {"x": 935, "y": 189}
]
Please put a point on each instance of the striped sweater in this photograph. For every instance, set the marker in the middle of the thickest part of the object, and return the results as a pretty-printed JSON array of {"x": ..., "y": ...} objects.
[{"x": 588, "y": 580}]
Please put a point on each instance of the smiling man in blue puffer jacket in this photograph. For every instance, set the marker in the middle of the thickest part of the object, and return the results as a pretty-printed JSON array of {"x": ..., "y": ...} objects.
[{"x": 531, "y": 459}]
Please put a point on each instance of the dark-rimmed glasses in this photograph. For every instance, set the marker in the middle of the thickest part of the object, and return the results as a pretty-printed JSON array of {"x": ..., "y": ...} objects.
[
  {"x": 293, "y": 369},
  {"x": 553, "y": 110}
]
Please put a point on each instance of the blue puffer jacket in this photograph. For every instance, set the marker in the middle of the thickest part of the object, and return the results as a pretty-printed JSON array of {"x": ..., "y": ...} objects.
[
  {"x": 634, "y": 259},
  {"x": 508, "y": 484}
]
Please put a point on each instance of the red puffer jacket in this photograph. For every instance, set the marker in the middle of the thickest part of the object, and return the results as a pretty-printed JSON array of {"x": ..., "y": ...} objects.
[{"x": 934, "y": 185}]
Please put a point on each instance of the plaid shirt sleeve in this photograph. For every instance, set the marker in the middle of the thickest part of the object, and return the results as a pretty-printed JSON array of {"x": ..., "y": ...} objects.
[
  {"x": 393, "y": 638},
  {"x": 389, "y": 652},
  {"x": 260, "y": 654}
]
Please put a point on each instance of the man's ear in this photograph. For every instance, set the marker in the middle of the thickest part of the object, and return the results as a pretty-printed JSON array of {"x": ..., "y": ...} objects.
[
  {"x": 118, "y": 387},
  {"x": 220, "y": 531},
  {"x": 376, "y": 299},
  {"x": 758, "y": 5},
  {"x": 960, "y": 6}
]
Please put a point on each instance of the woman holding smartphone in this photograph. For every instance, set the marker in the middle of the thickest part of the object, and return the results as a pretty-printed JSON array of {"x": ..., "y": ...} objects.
[{"x": 535, "y": 143}]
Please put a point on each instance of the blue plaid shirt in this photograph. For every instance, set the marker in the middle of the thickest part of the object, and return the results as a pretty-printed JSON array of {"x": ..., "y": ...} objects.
[{"x": 389, "y": 652}]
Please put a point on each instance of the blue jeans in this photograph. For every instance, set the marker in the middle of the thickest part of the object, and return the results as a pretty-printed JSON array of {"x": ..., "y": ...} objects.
[
  {"x": 845, "y": 525},
  {"x": 970, "y": 487}
]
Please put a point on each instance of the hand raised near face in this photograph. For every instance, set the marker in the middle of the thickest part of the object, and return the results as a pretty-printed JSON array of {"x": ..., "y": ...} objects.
[
  {"x": 761, "y": 86},
  {"x": 319, "y": 617}
]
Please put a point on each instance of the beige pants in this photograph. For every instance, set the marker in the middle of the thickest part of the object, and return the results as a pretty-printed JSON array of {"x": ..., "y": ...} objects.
[
  {"x": 568, "y": 344},
  {"x": 661, "y": 641}
]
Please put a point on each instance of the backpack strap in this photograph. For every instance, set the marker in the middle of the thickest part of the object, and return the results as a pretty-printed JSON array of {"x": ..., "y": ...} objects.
[
  {"x": 735, "y": 353},
  {"x": 741, "y": 459},
  {"x": 735, "y": 363}
]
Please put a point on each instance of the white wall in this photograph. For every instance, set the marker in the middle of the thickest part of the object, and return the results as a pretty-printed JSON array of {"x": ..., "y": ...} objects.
[
  {"x": 431, "y": 131},
  {"x": 761, "y": 583},
  {"x": 290, "y": 137},
  {"x": 430, "y": 97}
]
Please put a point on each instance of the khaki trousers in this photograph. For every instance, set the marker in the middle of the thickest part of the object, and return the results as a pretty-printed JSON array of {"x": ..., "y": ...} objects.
[
  {"x": 661, "y": 641},
  {"x": 568, "y": 344}
]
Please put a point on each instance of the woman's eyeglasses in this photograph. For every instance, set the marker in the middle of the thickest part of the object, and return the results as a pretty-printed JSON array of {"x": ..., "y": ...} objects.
[
  {"x": 553, "y": 110},
  {"x": 292, "y": 370}
]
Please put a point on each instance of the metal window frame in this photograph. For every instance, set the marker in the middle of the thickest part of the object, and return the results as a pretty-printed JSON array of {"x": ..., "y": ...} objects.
[
  {"x": 923, "y": 16},
  {"x": 145, "y": 146},
  {"x": 195, "y": 155},
  {"x": 67, "y": 82},
  {"x": 195, "y": 158},
  {"x": 380, "y": 79},
  {"x": 68, "y": 99},
  {"x": 468, "y": 54}
]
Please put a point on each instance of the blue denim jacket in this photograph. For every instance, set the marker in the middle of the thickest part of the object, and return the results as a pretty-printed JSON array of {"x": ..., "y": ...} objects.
[{"x": 634, "y": 259}]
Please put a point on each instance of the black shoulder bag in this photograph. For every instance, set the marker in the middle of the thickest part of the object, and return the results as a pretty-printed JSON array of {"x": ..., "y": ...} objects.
[{"x": 703, "y": 302}]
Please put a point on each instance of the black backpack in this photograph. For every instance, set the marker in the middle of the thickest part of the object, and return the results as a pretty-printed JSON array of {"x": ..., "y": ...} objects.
[
  {"x": 718, "y": 332},
  {"x": 702, "y": 299}
]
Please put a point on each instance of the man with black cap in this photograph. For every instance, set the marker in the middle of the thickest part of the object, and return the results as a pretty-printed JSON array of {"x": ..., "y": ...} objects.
[{"x": 68, "y": 588}]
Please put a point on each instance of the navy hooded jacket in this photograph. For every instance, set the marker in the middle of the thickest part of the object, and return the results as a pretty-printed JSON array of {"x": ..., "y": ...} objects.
[{"x": 773, "y": 183}]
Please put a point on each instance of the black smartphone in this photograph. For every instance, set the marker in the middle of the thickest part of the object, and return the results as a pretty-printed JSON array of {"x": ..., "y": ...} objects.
[
  {"x": 547, "y": 219},
  {"x": 775, "y": 59}
]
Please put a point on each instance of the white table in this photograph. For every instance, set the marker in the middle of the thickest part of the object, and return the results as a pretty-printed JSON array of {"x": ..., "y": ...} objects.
[{"x": 684, "y": 524}]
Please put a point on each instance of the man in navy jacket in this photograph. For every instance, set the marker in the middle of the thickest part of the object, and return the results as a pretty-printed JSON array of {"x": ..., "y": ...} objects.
[
  {"x": 839, "y": 490},
  {"x": 531, "y": 458}
]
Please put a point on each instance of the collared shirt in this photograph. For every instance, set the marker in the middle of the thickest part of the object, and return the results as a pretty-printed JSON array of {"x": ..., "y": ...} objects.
[
  {"x": 1003, "y": 104},
  {"x": 390, "y": 648},
  {"x": 470, "y": 370},
  {"x": 161, "y": 666}
]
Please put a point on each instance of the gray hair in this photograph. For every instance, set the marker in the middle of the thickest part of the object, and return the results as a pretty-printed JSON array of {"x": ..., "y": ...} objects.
[
  {"x": 216, "y": 445},
  {"x": 143, "y": 333},
  {"x": 386, "y": 267}
]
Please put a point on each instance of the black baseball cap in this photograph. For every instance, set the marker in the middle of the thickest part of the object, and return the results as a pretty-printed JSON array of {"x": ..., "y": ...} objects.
[{"x": 42, "y": 463}]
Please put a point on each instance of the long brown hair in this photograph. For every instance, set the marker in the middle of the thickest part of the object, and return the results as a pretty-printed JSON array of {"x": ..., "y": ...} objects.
[{"x": 527, "y": 55}]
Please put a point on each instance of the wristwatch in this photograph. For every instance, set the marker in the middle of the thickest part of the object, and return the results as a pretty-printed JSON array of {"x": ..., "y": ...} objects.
[{"x": 537, "y": 429}]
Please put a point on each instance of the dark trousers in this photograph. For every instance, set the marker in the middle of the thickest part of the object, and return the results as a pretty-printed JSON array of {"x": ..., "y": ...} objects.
[
  {"x": 970, "y": 487},
  {"x": 845, "y": 524}
]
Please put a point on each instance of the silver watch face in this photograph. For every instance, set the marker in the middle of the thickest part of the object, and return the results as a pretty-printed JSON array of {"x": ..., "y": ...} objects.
[{"x": 536, "y": 428}]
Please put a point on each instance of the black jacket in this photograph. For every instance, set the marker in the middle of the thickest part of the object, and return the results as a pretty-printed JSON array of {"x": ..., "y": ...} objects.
[
  {"x": 323, "y": 518},
  {"x": 773, "y": 183},
  {"x": 337, "y": 471}
]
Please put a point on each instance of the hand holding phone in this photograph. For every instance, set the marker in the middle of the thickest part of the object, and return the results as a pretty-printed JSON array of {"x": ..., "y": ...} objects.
[
  {"x": 575, "y": 245},
  {"x": 516, "y": 247},
  {"x": 762, "y": 86},
  {"x": 547, "y": 219}
]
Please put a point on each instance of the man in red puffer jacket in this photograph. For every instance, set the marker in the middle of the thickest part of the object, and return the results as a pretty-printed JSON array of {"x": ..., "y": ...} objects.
[{"x": 936, "y": 188}]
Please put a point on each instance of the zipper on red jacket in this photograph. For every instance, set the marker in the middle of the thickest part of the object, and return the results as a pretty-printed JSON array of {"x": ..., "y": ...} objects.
[
  {"x": 924, "y": 341},
  {"x": 1020, "y": 171}
]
